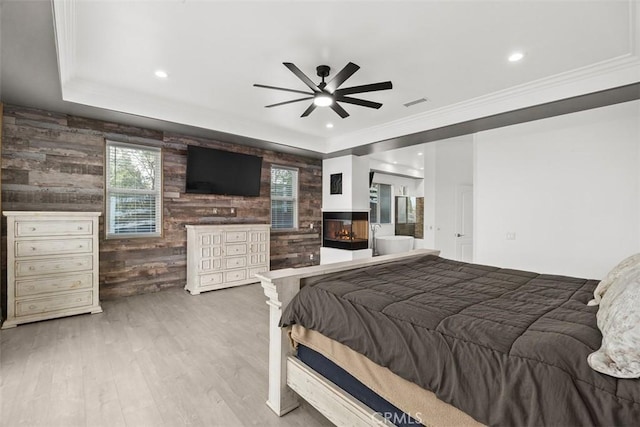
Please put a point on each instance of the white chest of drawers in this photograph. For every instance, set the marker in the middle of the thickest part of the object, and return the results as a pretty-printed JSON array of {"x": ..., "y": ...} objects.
[
  {"x": 222, "y": 256},
  {"x": 52, "y": 265}
]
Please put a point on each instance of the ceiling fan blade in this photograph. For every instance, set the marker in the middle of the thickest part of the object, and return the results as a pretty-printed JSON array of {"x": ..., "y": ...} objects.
[
  {"x": 295, "y": 70},
  {"x": 341, "y": 77},
  {"x": 283, "y": 88},
  {"x": 309, "y": 110},
  {"x": 360, "y": 102},
  {"x": 364, "y": 88},
  {"x": 288, "y": 102},
  {"x": 338, "y": 109}
]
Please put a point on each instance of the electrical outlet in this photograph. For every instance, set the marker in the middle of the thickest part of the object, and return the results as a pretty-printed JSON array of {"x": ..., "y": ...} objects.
[
  {"x": 511, "y": 235},
  {"x": 311, "y": 257},
  {"x": 233, "y": 210},
  {"x": 215, "y": 211},
  {"x": 311, "y": 226}
]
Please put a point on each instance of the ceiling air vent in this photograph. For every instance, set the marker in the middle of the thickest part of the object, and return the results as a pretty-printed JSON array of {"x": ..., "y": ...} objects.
[{"x": 417, "y": 101}]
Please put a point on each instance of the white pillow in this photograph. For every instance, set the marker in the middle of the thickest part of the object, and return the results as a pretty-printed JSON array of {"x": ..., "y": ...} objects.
[
  {"x": 619, "y": 322},
  {"x": 629, "y": 262}
]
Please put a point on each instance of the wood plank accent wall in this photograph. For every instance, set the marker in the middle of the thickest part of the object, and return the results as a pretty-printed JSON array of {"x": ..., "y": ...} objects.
[{"x": 55, "y": 162}]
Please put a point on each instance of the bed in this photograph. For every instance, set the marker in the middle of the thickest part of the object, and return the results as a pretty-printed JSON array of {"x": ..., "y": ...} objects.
[{"x": 473, "y": 344}]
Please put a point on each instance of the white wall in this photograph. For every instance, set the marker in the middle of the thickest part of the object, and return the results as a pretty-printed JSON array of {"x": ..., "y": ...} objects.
[
  {"x": 567, "y": 186},
  {"x": 447, "y": 165},
  {"x": 355, "y": 184},
  {"x": 429, "y": 188},
  {"x": 454, "y": 167}
]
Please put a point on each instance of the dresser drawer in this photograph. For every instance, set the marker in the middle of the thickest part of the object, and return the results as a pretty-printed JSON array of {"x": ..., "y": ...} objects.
[
  {"x": 210, "y": 264},
  {"x": 36, "y": 228},
  {"x": 235, "y": 236},
  {"x": 258, "y": 259},
  {"x": 53, "y": 247},
  {"x": 54, "y": 265},
  {"x": 258, "y": 247},
  {"x": 235, "y": 275},
  {"x": 210, "y": 251},
  {"x": 237, "y": 262},
  {"x": 210, "y": 279},
  {"x": 31, "y": 287},
  {"x": 55, "y": 303},
  {"x": 232, "y": 250},
  {"x": 210, "y": 239},
  {"x": 256, "y": 270}
]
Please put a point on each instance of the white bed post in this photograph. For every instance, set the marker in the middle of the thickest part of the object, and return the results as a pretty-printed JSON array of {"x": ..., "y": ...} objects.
[{"x": 279, "y": 293}]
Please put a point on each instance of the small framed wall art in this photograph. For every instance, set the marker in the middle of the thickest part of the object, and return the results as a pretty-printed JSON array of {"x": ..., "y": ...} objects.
[{"x": 336, "y": 184}]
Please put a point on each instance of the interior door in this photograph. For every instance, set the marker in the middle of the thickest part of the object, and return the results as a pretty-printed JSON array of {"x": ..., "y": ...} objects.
[{"x": 464, "y": 223}]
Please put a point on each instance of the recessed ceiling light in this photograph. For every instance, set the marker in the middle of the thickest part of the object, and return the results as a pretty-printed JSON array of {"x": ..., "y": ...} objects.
[
  {"x": 516, "y": 56},
  {"x": 395, "y": 163},
  {"x": 329, "y": 125},
  {"x": 161, "y": 74},
  {"x": 419, "y": 154}
]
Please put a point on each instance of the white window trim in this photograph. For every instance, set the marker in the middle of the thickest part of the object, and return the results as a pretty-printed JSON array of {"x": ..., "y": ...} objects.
[
  {"x": 294, "y": 198},
  {"x": 108, "y": 191}
]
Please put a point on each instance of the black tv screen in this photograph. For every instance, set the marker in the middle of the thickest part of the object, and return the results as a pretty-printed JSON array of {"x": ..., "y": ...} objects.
[{"x": 211, "y": 171}]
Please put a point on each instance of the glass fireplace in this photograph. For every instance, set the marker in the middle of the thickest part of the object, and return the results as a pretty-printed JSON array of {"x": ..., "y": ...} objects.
[{"x": 345, "y": 230}]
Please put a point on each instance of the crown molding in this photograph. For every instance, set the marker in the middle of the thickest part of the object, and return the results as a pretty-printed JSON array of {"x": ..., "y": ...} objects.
[
  {"x": 634, "y": 27},
  {"x": 117, "y": 99},
  {"x": 611, "y": 73},
  {"x": 608, "y": 74},
  {"x": 64, "y": 23}
]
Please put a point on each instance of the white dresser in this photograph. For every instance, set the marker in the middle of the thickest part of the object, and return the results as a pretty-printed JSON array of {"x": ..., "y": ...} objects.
[
  {"x": 52, "y": 265},
  {"x": 221, "y": 256}
]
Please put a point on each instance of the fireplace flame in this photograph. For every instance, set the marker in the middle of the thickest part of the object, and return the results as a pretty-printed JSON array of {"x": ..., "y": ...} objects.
[{"x": 344, "y": 234}]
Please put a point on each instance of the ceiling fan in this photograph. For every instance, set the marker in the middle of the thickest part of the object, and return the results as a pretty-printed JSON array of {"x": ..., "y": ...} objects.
[{"x": 328, "y": 94}]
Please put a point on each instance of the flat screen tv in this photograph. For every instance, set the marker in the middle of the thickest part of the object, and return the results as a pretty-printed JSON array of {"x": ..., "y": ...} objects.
[{"x": 211, "y": 171}]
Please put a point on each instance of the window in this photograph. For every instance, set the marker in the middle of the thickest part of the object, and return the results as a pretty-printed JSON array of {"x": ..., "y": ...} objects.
[
  {"x": 284, "y": 197},
  {"x": 134, "y": 191},
  {"x": 380, "y": 204}
]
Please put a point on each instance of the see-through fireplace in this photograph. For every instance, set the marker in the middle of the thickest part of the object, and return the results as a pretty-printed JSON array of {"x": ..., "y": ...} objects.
[{"x": 345, "y": 230}]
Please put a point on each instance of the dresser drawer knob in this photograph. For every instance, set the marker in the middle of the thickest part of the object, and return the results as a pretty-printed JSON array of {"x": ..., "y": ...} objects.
[
  {"x": 32, "y": 268},
  {"x": 33, "y": 229},
  {"x": 80, "y": 228},
  {"x": 32, "y": 248}
]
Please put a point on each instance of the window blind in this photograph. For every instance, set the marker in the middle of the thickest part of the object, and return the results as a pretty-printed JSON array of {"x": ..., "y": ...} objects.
[
  {"x": 134, "y": 190},
  {"x": 284, "y": 195}
]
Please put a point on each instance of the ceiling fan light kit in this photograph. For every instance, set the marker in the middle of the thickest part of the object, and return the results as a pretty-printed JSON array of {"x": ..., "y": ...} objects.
[
  {"x": 327, "y": 94},
  {"x": 322, "y": 100}
]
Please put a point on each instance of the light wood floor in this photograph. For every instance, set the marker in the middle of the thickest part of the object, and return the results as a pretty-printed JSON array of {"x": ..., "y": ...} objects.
[{"x": 163, "y": 359}]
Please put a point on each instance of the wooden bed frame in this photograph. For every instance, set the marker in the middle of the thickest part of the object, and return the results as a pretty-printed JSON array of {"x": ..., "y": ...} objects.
[{"x": 288, "y": 376}]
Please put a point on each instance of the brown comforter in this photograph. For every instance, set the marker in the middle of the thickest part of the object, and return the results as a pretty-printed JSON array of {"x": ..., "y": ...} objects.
[{"x": 507, "y": 347}]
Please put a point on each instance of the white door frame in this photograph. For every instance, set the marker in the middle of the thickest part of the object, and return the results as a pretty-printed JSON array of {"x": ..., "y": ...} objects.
[{"x": 464, "y": 226}]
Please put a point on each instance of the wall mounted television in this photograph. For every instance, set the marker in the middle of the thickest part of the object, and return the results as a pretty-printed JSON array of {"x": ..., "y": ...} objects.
[{"x": 211, "y": 171}]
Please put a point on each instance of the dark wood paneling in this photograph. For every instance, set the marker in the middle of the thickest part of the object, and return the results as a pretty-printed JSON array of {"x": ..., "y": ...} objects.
[{"x": 55, "y": 162}]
